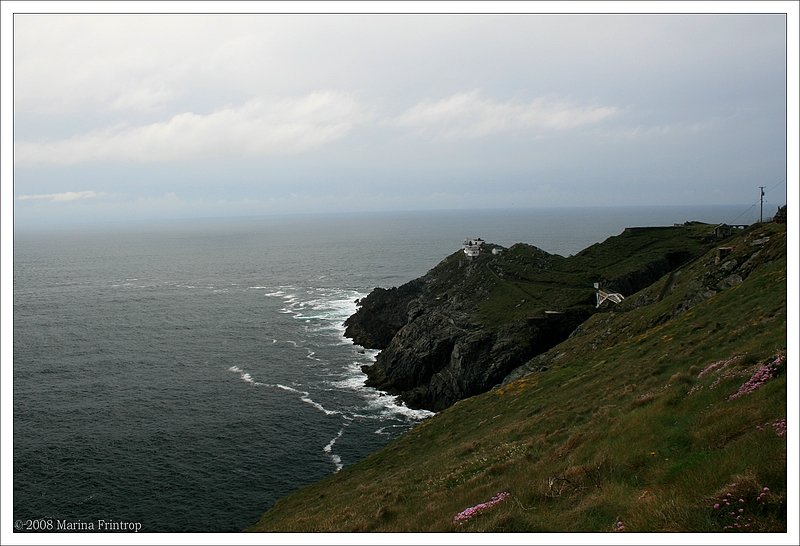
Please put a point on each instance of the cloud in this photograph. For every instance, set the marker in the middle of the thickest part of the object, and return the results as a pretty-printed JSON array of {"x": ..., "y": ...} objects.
[
  {"x": 469, "y": 115},
  {"x": 68, "y": 64},
  {"x": 142, "y": 98},
  {"x": 256, "y": 128},
  {"x": 60, "y": 197}
]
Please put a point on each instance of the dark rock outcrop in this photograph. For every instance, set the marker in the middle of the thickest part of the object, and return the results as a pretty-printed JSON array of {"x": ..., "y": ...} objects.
[
  {"x": 381, "y": 315},
  {"x": 432, "y": 364}
]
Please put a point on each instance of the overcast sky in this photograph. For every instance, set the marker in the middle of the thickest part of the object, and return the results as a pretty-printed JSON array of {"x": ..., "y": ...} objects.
[{"x": 126, "y": 117}]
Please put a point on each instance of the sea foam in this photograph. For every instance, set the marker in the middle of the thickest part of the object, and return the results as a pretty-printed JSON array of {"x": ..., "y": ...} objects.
[{"x": 328, "y": 449}]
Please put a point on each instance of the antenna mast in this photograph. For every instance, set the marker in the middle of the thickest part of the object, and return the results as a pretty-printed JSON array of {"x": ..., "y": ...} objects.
[{"x": 761, "y": 218}]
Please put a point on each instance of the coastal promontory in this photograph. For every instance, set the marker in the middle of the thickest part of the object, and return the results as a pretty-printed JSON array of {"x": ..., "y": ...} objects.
[{"x": 471, "y": 320}]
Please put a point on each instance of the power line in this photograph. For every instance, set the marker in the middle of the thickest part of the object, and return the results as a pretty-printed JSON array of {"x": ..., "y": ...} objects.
[
  {"x": 767, "y": 201},
  {"x": 776, "y": 185},
  {"x": 742, "y": 214},
  {"x": 763, "y": 193},
  {"x": 782, "y": 182}
]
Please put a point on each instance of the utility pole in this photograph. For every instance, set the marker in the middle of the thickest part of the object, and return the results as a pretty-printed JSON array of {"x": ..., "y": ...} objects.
[{"x": 761, "y": 221}]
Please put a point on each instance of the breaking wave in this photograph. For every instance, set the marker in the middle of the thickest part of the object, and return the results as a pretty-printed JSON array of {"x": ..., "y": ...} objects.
[{"x": 328, "y": 450}]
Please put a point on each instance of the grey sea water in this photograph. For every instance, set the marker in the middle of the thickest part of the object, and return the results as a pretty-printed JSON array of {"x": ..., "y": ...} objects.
[{"x": 187, "y": 375}]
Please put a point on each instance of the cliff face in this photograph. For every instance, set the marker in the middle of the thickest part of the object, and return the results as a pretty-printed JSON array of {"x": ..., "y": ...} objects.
[
  {"x": 433, "y": 363},
  {"x": 469, "y": 322}
]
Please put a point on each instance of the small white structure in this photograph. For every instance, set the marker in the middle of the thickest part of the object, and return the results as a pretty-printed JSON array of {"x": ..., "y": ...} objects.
[
  {"x": 472, "y": 247},
  {"x": 497, "y": 250},
  {"x": 603, "y": 296}
]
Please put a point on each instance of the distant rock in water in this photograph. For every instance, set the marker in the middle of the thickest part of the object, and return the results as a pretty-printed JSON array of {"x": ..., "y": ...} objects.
[{"x": 464, "y": 326}]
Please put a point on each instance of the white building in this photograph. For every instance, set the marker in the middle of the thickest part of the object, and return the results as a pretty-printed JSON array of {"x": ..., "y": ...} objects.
[
  {"x": 603, "y": 296},
  {"x": 472, "y": 247}
]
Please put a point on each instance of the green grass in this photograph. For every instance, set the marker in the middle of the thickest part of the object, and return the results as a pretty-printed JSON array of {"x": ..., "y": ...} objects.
[{"x": 621, "y": 427}]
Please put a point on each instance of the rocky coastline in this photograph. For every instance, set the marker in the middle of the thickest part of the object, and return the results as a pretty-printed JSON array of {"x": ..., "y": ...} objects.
[{"x": 468, "y": 323}]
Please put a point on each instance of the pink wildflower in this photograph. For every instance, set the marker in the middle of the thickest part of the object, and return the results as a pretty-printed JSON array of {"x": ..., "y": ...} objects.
[
  {"x": 762, "y": 375},
  {"x": 719, "y": 364},
  {"x": 478, "y": 508}
]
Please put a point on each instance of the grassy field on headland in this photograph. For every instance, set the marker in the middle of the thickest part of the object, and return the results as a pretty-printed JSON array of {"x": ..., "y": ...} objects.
[{"x": 667, "y": 413}]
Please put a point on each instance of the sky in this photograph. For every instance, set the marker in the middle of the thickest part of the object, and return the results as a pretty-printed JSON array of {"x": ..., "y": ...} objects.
[{"x": 140, "y": 117}]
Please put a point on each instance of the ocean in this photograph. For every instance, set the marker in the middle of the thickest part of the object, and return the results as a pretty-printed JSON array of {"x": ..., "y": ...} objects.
[{"x": 186, "y": 375}]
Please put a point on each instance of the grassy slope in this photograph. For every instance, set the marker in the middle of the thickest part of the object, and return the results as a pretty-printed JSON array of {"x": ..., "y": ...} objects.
[{"x": 620, "y": 428}]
